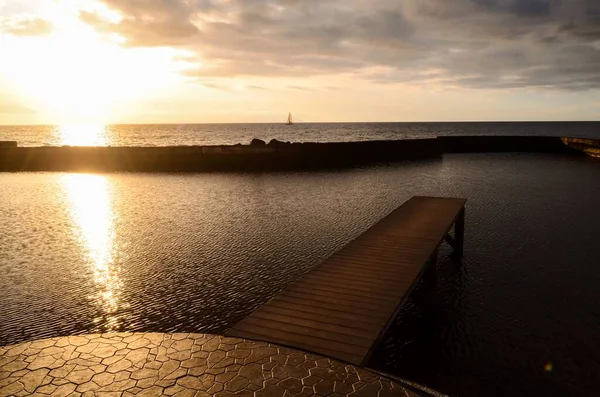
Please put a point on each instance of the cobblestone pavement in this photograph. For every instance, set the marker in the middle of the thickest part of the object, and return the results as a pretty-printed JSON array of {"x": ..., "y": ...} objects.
[{"x": 153, "y": 364}]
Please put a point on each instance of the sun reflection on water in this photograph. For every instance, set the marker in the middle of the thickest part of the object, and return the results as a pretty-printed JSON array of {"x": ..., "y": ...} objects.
[
  {"x": 83, "y": 134},
  {"x": 91, "y": 210}
]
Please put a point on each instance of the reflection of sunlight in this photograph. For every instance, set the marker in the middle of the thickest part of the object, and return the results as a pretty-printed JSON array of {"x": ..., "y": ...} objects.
[
  {"x": 91, "y": 211},
  {"x": 83, "y": 135}
]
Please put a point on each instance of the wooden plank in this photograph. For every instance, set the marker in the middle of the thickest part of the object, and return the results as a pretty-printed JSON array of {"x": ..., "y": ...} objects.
[
  {"x": 348, "y": 261},
  {"x": 350, "y": 295},
  {"x": 299, "y": 339},
  {"x": 339, "y": 316},
  {"x": 342, "y": 307},
  {"x": 356, "y": 291},
  {"x": 286, "y": 342},
  {"x": 357, "y": 285},
  {"x": 302, "y": 329},
  {"x": 314, "y": 321},
  {"x": 347, "y": 275},
  {"x": 350, "y": 343},
  {"x": 309, "y": 296},
  {"x": 333, "y": 308}
]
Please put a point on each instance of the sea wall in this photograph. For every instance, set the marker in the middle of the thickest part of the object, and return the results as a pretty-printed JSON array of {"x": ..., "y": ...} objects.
[
  {"x": 255, "y": 157},
  {"x": 259, "y": 156},
  {"x": 491, "y": 144}
]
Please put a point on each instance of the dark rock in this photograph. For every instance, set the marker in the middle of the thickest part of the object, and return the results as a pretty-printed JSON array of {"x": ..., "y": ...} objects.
[
  {"x": 8, "y": 144},
  {"x": 257, "y": 142},
  {"x": 275, "y": 142}
]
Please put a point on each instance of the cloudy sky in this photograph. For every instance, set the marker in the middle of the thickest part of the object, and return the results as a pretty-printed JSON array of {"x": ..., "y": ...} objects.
[{"x": 324, "y": 60}]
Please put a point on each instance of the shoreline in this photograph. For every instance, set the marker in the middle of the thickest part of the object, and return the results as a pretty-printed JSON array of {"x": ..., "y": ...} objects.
[{"x": 273, "y": 156}]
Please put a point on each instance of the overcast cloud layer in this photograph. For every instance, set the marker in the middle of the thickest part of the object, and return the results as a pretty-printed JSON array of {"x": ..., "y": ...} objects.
[
  {"x": 472, "y": 43},
  {"x": 466, "y": 43}
]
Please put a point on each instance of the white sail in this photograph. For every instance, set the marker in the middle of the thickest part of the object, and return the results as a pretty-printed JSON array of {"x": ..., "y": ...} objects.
[{"x": 289, "y": 120}]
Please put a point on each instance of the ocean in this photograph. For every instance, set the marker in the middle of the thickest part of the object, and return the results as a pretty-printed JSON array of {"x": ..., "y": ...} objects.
[
  {"x": 84, "y": 253},
  {"x": 231, "y": 134}
]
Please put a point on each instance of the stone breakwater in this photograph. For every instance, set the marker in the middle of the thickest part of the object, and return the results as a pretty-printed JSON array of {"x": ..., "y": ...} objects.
[{"x": 261, "y": 156}]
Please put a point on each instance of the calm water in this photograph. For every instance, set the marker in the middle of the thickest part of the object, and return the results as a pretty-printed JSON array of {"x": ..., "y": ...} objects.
[
  {"x": 196, "y": 252},
  {"x": 219, "y": 134}
]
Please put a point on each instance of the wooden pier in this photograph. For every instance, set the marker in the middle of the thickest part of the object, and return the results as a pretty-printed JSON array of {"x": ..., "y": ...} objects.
[{"x": 343, "y": 307}]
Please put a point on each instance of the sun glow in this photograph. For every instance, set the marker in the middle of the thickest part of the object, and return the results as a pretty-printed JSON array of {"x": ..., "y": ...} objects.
[
  {"x": 91, "y": 211},
  {"x": 80, "y": 76},
  {"x": 83, "y": 135}
]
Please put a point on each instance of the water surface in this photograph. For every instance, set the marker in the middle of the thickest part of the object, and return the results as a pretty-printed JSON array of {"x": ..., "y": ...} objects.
[
  {"x": 231, "y": 134},
  {"x": 196, "y": 252}
]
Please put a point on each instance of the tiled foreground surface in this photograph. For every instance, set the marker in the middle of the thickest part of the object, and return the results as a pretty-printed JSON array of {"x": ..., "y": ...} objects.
[{"x": 152, "y": 364}]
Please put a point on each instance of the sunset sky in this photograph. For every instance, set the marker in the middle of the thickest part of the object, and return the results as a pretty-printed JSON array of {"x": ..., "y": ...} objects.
[{"x": 176, "y": 61}]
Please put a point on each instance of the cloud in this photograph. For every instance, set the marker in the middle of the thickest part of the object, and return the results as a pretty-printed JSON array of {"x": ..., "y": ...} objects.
[
  {"x": 27, "y": 27},
  {"x": 298, "y": 88},
  {"x": 502, "y": 44},
  {"x": 10, "y": 108}
]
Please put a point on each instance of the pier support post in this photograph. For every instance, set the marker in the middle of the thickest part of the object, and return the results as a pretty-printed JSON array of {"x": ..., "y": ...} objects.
[
  {"x": 459, "y": 234},
  {"x": 457, "y": 242},
  {"x": 429, "y": 280}
]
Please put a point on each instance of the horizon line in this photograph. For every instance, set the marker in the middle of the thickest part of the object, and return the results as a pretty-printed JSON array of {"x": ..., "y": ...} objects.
[{"x": 306, "y": 122}]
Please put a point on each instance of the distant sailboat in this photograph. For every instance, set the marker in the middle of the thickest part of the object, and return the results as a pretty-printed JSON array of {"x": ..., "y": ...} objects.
[{"x": 289, "y": 120}]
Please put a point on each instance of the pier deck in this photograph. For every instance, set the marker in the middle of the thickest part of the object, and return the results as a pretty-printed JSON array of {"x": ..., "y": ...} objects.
[{"x": 343, "y": 306}]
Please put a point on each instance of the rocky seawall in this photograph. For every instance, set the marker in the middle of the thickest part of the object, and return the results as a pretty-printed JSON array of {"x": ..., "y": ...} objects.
[{"x": 260, "y": 156}]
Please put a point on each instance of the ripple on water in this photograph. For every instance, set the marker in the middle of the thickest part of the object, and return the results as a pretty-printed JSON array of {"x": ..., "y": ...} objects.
[{"x": 195, "y": 253}]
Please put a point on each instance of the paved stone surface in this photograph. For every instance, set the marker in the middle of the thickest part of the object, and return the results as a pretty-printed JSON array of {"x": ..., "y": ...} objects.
[{"x": 152, "y": 364}]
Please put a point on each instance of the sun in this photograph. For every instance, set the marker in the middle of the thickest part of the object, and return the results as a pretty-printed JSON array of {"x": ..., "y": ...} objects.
[
  {"x": 72, "y": 76},
  {"x": 83, "y": 134},
  {"x": 79, "y": 76}
]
